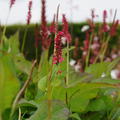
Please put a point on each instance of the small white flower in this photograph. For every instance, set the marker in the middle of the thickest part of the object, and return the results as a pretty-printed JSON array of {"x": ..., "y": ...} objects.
[
  {"x": 95, "y": 46},
  {"x": 85, "y": 28},
  {"x": 114, "y": 56},
  {"x": 103, "y": 75},
  {"x": 96, "y": 38},
  {"x": 77, "y": 68},
  {"x": 108, "y": 27},
  {"x": 108, "y": 59},
  {"x": 114, "y": 73},
  {"x": 49, "y": 33},
  {"x": 72, "y": 62},
  {"x": 84, "y": 53},
  {"x": 63, "y": 39}
]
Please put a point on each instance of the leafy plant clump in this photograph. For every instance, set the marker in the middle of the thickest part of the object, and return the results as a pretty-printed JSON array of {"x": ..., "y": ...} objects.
[{"x": 54, "y": 87}]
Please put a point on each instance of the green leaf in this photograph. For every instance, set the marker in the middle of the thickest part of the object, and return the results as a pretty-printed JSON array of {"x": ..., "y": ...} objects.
[
  {"x": 42, "y": 84},
  {"x": 107, "y": 80},
  {"x": 43, "y": 68},
  {"x": 78, "y": 102},
  {"x": 9, "y": 83},
  {"x": 78, "y": 94},
  {"x": 76, "y": 116},
  {"x": 14, "y": 44},
  {"x": 59, "y": 111},
  {"x": 22, "y": 64},
  {"x": 96, "y": 105},
  {"x": 98, "y": 69}
]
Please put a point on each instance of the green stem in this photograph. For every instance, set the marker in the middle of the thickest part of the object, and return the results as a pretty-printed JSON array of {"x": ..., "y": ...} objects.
[
  {"x": 116, "y": 101},
  {"x": 88, "y": 55},
  {"x": 36, "y": 53},
  {"x": 0, "y": 116},
  {"x": 102, "y": 45},
  {"x": 5, "y": 27},
  {"x": 105, "y": 49},
  {"x": 67, "y": 77},
  {"x": 49, "y": 94},
  {"x": 24, "y": 40}
]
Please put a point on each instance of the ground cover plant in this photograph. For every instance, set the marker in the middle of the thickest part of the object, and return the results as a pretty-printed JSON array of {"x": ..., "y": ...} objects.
[{"x": 73, "y": 82}]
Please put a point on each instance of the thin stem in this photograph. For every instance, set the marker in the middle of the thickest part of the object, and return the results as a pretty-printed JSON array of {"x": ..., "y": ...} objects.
[
  {"x": 36, "y": 52},
  {"x": 105, "y": 49},
  {"x": 49, "y": 89},
  {"x": 102, "y": 45},
  {"x": 67, "y": 77},
  {"x": 22, "y": 90},
  {"x": 0, "y": 115},
  {"x": 24, "y": 40},
  {"x": 5, "y": 27},
  {"x": 19, "y": 118},
  {"x": 88, "y": 55}
]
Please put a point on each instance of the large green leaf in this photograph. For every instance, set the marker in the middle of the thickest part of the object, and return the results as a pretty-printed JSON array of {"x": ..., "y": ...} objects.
[
  {"x": 59, "y": 111},
  {"x": 78, "y": 94},
  {"x": 14, "y": 44},
  {"x": 9, "y": 84},
  {"x": 22, "y": 64}
]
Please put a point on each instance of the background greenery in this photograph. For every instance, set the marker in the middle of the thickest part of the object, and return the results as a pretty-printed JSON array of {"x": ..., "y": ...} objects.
[{"x": 30, "y": 51}]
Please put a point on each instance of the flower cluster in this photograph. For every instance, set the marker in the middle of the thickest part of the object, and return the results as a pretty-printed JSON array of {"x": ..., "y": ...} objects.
[
  {"x": 105, "y": 26},
  {"x": 86, "y": 46},
  {"x": 29, "y": 12},
  {"x": 114, "y": 28},
  {"x": 57, "y": 57},
  {"x": 44, "y": 33}
]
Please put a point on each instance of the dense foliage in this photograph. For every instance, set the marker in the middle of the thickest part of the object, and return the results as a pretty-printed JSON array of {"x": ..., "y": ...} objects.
[{"x": 50, "y": 73}]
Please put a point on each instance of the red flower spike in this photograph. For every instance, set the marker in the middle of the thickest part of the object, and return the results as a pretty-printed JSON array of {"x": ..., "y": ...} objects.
[
  {"x": 44, "y": 30},
  {"x": 105, "y": 26},
  {"x": 57, "y": 57},
  {"x": 104, "y": 15},
  {"x": 86, "y": 42},
  {"x": 65, "y": 29},
  {"x": 114, "y": 28},
  {"x": 29, "y": 12},
  {"x": 12, "y": 2}
]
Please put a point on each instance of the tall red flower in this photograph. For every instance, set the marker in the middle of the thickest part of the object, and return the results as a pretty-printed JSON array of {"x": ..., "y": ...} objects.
[
  {"x": 86, "y": 42},
  {"x": 104, "y": 15},
  {"x": 12, "y": 2},
  {"x": 105, "y": 25},
  {"x": 66, "y": 29},
  {"x": 114, "y": 28},
  {"x": 57, "y": 57},
  {"x": 86, "y": 46},
  {"x": 44, "y": 29},
  {"x": 29, "y": 12}
]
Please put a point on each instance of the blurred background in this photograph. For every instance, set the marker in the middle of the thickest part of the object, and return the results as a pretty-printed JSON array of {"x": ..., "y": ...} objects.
[{"x": 75, "y": 10}]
